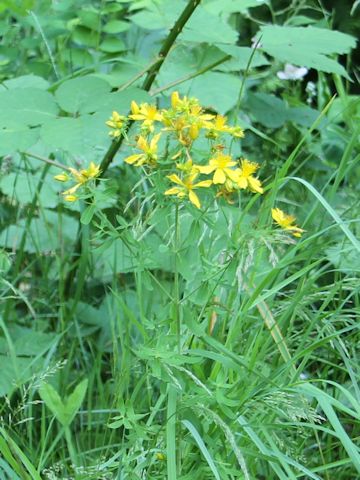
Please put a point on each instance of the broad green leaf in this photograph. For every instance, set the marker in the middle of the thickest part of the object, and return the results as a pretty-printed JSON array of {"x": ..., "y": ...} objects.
[
  {"x": 53, "y": 401},
  {"x": 116, "y": 26},
  {"x": 267, "y": 109},
  {"x": 231, "y": 6},
  {"x": 15, "y": 136},
  {"x": 66, "y": 410},
  {"x": 206, "y": 89},
  {"x": 78, "y": 136},
  {"x": 241, "y": 57},
  {"x": 12, "y": 377},
  {"x": 22, "y": 188},
  {"x": 73, "y": 95},
  {"x": 88, "y": 214},
  {"x": 85, "y": 36},
  {"x": 26, "y": 106},
  {"x": 206, "y": 27},
  {"x": 344, "y": 257},
  {"x": 27, "y": 342},
  {"x": 27, "y": 81},
  {"x": 112, "y": 45},
  {"x": 43, "y": 235},
  {"x": 75, "y": 399},
  {"x": 307, "y": 46}
]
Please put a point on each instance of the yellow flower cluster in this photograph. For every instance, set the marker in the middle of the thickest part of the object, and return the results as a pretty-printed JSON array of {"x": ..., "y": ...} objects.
[
  {"x": 185, "y": 122},
  {"x": 80, "y": 176}
]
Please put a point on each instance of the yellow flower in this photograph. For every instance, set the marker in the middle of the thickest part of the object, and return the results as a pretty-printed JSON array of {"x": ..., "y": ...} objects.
[
  {"x": 246, "y": 179},
  {"x": 147, "y": 113},
  {"x": 221, "y": 166},
  {"x": 81, "y": 177},
  {"x": 188, "y": 168},
  {"x": 219, "y": 126},
  {"x": 286, "y": 222},
  {"x": 116, "y": 122},
  {"x": 150, "y": 152},
  {"x": 186, "y": 187},
  {"x": 70, "y": 198},
  {"x": 84, "y": 175},
  {"x": 62, "y": 177}
]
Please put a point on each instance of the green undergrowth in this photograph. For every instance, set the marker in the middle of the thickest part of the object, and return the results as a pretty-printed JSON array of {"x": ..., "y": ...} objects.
[{"x": 142, "y": 337}]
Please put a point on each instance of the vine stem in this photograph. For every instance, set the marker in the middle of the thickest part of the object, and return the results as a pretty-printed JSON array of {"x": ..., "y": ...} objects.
[{"x": 116, "y": 144}]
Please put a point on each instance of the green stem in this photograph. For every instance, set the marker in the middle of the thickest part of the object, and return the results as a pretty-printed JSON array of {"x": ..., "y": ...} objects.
[
  {"x": 71, "y": 448},
  {"x": 147, "y": 84},
  {"x": 171, "y": 433},
  {"x": 176, "y": 280}
]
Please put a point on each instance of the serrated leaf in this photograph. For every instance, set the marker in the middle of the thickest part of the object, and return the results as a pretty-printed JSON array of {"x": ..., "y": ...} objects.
[{"x": 307, "y": 46}]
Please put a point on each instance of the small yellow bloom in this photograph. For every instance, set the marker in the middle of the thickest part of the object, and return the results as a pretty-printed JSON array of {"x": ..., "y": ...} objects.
[
  {"x": 186, "y": 187},
  {"x": 246, "y": 179},
  {"x": 81, "y": 177},
  {"x": 70, "y": 198},
  {"x": 150, "y": 152},
  {"x": 116, "y": 122},
  {"x": 219, "y": 125},
  {"x": 221, "y": 166},
  {"x": 146, "y": 113},
  {"x": 62, "y": 177},
  {"x": 160, "y": 456},
  {"x": 286, "y": 222}
]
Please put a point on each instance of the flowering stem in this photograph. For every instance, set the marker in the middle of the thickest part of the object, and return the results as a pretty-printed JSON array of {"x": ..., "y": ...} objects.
[
  {"x": 176, "y": 280},
  {"x": 46, "y": 160},
  {"x": 149, "y": 80},
  {"x": 152, "y": 72}
]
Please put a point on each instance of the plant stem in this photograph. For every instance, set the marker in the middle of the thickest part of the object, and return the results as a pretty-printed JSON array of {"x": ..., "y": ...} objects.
[
  {"x": 71, "y": 448},
  {"x": 176, "y": 280},
  {"x": 116, "y": 144}
]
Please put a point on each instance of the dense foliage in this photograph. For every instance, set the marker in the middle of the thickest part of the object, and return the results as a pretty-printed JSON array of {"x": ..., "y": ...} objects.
[{"x": 179, "y": 240}]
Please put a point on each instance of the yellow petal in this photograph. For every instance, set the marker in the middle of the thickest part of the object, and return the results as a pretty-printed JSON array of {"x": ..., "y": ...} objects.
[
  {"x": 174, "y": 178},
  {"x": 142, "y": 144},
  {"x": 175, "y": 99},
  {"x": 194, "y": 199},
  {"x": 154, "y": 141},
  {"x": 204, "y": 184},
  {"x": 136, "y": 117},
  {"x": 70, "y": 198},
  {"x": 72, "y": 190},
  {"x": 134, "y": 158},
  {"x": 219, "y": 176},
  {"x": 206, "y": 169},
  {"x": 241, "y": 182},
  {"x": 62, "y": 177},
  {"x": 255, "y": 185},
  {"x": 134, "y": 107},
  {"x": 173, "y": 191}
]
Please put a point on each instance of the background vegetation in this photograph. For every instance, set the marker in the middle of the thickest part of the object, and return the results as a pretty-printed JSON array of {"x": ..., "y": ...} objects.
[{"x": 141, "y": 338}]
